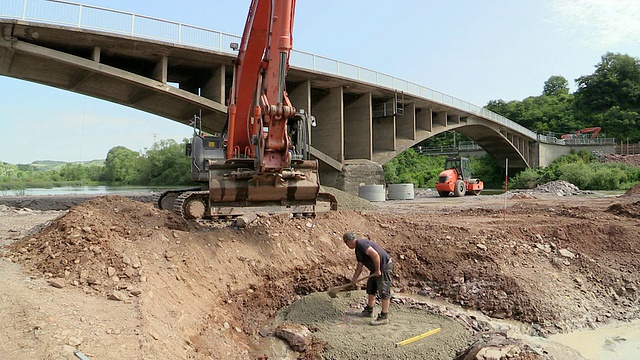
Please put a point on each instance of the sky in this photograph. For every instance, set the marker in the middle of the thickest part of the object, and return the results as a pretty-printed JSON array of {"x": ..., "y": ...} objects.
[{"x": 477, "y": 51}]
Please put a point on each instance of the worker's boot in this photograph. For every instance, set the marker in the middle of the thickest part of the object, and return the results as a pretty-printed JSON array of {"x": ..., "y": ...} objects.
[
  {"x": 366, "y": 312},
  {"x": 382, "y": 319}
]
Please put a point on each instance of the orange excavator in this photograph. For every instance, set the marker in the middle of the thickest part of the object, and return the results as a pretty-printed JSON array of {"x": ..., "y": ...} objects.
[
  {"x": 594, "y": 130},
  {"x": 259, "y": 163}
]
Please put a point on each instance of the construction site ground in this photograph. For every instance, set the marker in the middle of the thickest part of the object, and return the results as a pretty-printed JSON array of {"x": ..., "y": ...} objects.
[{"x": 113, "y": 277}]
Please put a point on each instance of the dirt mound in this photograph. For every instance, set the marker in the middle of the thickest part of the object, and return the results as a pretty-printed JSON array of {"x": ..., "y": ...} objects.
[
  {"x": 632, "y": 160},
  {"x": 633, "y": 191},
  {"x": 204, "y": 292},
  {"x": 85, "y": 246},
  {"x": 631, "y": 210}
]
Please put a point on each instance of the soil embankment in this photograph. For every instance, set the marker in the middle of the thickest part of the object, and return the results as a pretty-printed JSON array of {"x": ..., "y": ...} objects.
[{"x": 178, "y": 290}]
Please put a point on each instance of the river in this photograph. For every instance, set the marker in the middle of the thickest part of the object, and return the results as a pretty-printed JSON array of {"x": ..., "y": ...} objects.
[{"x": 82, "y": 190}]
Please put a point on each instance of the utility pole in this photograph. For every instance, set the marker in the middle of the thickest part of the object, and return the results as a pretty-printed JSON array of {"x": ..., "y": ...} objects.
[{"x": 155, "y": 137}]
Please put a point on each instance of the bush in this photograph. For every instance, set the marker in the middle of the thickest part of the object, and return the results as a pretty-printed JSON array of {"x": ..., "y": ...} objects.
[
  {"x": 607, "y": 178},
  {"x": 526, "y": 179},
  {"x": 578, "y": 173}
]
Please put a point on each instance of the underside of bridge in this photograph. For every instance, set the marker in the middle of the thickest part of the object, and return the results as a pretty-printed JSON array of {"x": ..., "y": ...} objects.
[{"x": 358, "y": 122}]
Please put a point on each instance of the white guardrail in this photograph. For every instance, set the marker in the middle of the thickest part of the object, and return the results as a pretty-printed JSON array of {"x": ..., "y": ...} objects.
[{"x": 58, "y": 12}]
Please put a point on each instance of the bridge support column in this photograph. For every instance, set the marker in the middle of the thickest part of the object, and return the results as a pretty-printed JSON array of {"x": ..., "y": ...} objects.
[
  {"x": 384, "y": 133},
  {"x": 214, "y": 88},
  {"x": 95, "y": 54},
  {"x": 440, "y": 119},
  {"x": 300, "y": 96},
  {"x": 328, "y": 135},
  {"x": 406, "y": 123},
  {"x": 424, "y": 119},
  {"x": 357, "y": 128},
  {"x": 160, "y": 71}
]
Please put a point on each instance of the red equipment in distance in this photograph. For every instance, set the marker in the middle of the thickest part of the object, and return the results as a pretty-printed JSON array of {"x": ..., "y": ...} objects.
[
  {"x": 456, "y": 179},
  {"x": 594, "y": 130}
]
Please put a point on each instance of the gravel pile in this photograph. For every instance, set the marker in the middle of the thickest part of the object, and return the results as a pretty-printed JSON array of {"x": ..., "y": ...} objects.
[
  {"x": 560, "y": 188},
  {"x": 347, "y": 201}
]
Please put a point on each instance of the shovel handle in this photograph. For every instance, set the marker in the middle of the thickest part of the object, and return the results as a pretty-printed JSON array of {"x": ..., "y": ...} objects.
[{"x": 338, "y": 288}]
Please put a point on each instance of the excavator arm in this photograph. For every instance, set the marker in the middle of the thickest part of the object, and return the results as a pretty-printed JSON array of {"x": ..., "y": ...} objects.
[
  {"x": 257, "y": 171},
  {"x": 259, "y": 106}
]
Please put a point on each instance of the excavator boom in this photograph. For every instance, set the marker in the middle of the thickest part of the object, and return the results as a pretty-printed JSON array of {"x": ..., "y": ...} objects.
[{"x": 256, "y": 166}]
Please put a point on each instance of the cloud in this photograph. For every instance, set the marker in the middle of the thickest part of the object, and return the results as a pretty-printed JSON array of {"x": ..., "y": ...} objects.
[{"x": 598, "y": 23}]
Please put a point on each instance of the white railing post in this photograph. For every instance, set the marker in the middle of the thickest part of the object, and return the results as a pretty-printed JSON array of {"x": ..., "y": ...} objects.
[
  {"x": 24, "y": 10},
  {"x": 180, "y": 34},
  {"x": 80, "y": 16},
  {"x": 133, "y": 24}
]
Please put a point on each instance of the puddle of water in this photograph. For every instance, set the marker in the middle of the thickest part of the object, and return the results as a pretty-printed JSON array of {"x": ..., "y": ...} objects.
[{"x": 619, "y": 341}]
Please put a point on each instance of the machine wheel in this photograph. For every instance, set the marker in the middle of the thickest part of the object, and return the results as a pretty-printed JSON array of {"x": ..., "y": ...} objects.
[
  {"x": 443, "y": 193},
  {"x": 194, "y": 209},
  {"x": 168, "y": 200},
  {"x": 460, "y": 188}
]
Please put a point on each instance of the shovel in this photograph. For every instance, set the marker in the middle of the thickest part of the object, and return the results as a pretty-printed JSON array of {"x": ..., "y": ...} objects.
[{"x": 333, "y": 292}]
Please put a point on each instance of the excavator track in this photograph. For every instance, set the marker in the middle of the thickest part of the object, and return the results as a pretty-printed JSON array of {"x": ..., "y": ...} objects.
[
  {"x": 165, "y": 200},
  {"x": 192, "y": 205}
]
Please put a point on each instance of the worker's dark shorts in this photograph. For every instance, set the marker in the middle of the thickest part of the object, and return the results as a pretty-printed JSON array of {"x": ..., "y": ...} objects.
[{"x": 381, "y": 285}]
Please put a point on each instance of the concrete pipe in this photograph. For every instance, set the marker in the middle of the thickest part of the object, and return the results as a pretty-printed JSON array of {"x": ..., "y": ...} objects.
[
  {"x": 401, "y": 192},
  {"x": 372, "y": 192}
]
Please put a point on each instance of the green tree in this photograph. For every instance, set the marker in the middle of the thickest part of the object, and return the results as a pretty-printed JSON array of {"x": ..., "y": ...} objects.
[
  {"x": 73, "y": 172},
  {"x": 166, "y": 164},
  {"x": 556, "y": 85},
  {"x": 121, "y": 166},
  {"x": 616, "y": 82}
]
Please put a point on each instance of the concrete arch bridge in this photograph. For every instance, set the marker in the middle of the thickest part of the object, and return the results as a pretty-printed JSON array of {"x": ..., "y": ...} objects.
[{"x": 177, "y": 71}]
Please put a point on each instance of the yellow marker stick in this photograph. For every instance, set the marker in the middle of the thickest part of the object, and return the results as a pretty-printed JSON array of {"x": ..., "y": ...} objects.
[{"x": 421, "y": 336}]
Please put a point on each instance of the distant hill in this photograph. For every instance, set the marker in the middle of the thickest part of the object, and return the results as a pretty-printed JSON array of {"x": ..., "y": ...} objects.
[{"x": 46, "y": 165}]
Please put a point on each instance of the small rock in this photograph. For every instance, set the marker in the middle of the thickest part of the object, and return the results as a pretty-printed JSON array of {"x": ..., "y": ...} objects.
[
  {"x": 298, "y": 336},
  {"x": 135, "y": 292},
  {"x": 169, "y": 254},
  {"x": 57, "y": 283},
  {"x": 126, "y": 260},
  {"x": 566, "y": 253},
  {"x": 111, "y": 271},
  {"x": 482, "y": 247},
  {"x": 74, "y": 341},
  {"x": 118, "y": 296}
]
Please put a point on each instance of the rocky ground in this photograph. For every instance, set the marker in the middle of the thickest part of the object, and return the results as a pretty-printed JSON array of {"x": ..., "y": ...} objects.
[{"x": 113, "y": 278}]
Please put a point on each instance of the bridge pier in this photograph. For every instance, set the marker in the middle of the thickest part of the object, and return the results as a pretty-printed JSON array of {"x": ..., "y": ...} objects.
[{"x": 353, "y": 174}]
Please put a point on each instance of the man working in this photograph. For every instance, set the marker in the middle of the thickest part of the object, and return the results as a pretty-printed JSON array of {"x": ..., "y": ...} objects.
[{"x": 380, "y": 266}]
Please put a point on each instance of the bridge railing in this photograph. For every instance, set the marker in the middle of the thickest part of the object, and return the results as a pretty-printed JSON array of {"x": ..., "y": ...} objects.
[{"x": 60, "y": 12}]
